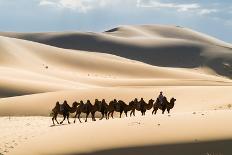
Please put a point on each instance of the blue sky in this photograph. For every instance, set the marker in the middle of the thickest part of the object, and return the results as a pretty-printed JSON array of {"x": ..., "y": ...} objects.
[{"x": 213, "y": 17}]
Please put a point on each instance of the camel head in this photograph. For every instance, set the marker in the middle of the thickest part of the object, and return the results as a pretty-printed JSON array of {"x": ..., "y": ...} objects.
[
  {"x": 81, "y": 103},
  {"x": 75, "y": 104},
  {"x": 88, "y": 102},
  {"x": 65, "y": 102},
  {"x": 172, "y": 100},
  {"x": 142, "y": 100},
  {"x": 96, "y": 101},
  {"x": 103, "y": 101},
  {"x": 136, "y": 100},
  {"x": 151, "y": 101}
]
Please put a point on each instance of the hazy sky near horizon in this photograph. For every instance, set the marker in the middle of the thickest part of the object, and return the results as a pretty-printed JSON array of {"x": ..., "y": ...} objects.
[{"x": 213, "y": 17}]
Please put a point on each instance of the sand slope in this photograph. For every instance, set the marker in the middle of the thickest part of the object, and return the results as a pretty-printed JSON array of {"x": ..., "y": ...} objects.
[
  {"x": 175, "y": 134},
  {"x": 160, "y": 45},
  {"x": 189, "y": 98},
  {"x": 29, "y": 67}
]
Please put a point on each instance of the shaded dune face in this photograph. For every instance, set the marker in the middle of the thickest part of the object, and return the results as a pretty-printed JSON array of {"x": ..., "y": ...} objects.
[
  {"x": 177, "y": 57},
  {"x": 159, "y": 45}
]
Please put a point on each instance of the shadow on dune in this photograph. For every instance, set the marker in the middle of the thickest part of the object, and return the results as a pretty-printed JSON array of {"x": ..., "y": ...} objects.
[
  {"x": 222, "y": 147},
  {"x": 178, "y": 55}
]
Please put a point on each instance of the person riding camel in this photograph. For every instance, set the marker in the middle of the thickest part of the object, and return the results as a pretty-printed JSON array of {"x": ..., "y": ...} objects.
[{"x": 161, "y": 97}]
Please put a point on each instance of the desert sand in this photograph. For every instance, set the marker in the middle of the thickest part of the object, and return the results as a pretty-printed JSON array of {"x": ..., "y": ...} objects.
[{"x": 38, "y": 69}]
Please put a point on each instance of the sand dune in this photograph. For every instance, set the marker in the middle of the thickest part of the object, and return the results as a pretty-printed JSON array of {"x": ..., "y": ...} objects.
[
  {"x": 161, "y": 134},
  {"x": 189, "y": 98},
  {"x": 29, "y": 67},
  {"x": 38, "y": 69},
  {"x": 159, "y": 45}
]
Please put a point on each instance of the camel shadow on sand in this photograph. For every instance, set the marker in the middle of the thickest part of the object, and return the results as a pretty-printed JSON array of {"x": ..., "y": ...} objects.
[{"x": 220, "y": 147}]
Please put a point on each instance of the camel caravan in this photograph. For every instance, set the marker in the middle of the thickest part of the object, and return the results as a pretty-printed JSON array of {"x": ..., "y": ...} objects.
[{"x": 107, "y": 110}]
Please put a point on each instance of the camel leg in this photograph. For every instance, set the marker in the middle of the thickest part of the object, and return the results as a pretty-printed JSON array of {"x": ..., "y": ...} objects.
[
  {"x": 56, "y": 119},
  {"x": 112, "y": 114},
  {"x": 108, "y": 115},
  {"x": 125, "y": 113},
  {"x": 102, "y": 116},
  {"x": 53, "y": 120},
  {"x": 153, "y": 111},
  {"x": 87, "y": 114},
  {"x": 79, "y": 117},
  {"x": 68, "y": 118},
  {"x": 163, "y": 111},
  {"x": 168, "y": 110},
  {"x": 134, "y": 112},
  {"x": 75, "y": 118},
  {"x": 63, "y": 119},
  {"x": 131, "y": 113},
  {"x": 120, "y": 114},
  {"x": 105, "y": 114},
  {"x": 93, "y": 116}
]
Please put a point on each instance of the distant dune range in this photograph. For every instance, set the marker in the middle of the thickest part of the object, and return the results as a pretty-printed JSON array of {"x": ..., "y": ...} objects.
[{"x": 159, "y": 45}]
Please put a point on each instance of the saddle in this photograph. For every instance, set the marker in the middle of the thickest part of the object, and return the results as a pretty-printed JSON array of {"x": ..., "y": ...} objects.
[{"x": 61, "y": 107}]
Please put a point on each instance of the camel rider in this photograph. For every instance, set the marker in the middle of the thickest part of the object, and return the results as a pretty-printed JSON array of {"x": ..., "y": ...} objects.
[{"x": 161, "y": 97}]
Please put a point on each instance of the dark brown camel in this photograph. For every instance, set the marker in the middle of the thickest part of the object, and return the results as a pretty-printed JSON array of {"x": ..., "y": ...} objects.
[
  {"x": 103, "y": 106},
  {"x": 133, "y": 105},
  {"x": 165, "y": 105},
  {"x": 170, "y": 104},
  {"x": 63, "y": 109},
  {"x": 94, "y": 109},
  {"x": 145, "y": 106},
  {"x": 141, "y": 106},
  {"x": 118, "y": 106},
  {"x": 86, "y": 108},
  {"x": 80, "y": 109},
  {"x": 123, "y": 107},
  {"x": 111, "y": 108}
]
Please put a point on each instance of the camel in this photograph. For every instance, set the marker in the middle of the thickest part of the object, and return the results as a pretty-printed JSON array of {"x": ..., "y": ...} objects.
[
  {"x": 166, "y": 105},
  {"x": 63, "y": 109},
  {"x": 94, "y": 108},
  {"x": 123, "y": 107},
  {"x": 133, "y": 105},
  {"x": 145, "y": 106},
  {"x": 140, "y": 105},
  {"x": 80, "y": 109},
  {"x": 87, "y": 109},
  {"x": 111, "y": 108},
  {"x": 170, "y": 104},
  {"x": 103, "y": 106},
  {"x": 118, "y": 106}
]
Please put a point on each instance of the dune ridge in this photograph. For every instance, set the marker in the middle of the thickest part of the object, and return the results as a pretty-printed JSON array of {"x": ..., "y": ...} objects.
[
  {"x": 38, "y": 68},
  {"x": 152, "y": 44}
]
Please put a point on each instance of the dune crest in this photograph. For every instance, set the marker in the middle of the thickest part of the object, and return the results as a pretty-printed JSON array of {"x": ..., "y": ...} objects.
[{"x": 159, "y": 45}]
